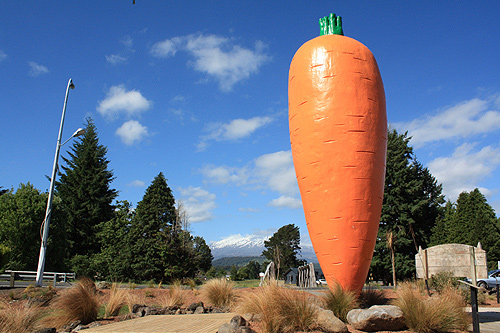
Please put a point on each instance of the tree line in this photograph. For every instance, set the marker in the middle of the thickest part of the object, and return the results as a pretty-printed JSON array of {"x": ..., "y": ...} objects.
[{"x": 91, "y": 233}]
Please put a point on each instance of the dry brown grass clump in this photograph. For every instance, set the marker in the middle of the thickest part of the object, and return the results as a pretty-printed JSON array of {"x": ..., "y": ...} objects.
[
  {"x": 280, "y": 309},
  {"x": 442, "y": 312},
  {"x": 219, "y": 292},
  {"x": 78, "y": 303},
  {"x": 19, "y": 318},
  {"x": 118, "y": 298},
  {"x": 339, "y": 301},
  {"x": 175, "y": 296}
]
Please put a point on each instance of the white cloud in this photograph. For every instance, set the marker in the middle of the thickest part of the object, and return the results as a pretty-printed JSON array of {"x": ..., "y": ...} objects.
[
  {"x": 234, "y": 130},
  {"x": 127, "y": 41},
  {"x": 131, "y": 131},
  {"x": 118, "y": 101},
  {"x": 465, "y": 169},
  {"x": 216, "y": 56},
  {"x": 286, "y": 201},
  {"x": 462, "y": 120},
  {"x": 36, "y": 69},
  {"x": 198, "y": 203},
  {"x": 273, "y": 171},
  {"x": 3, "y": 56},
  {"x": 136, "y": 183},
  {"x": 115, "y": 59},
  {"x": 277, "y": 171},
  {"x": 224, "y": 175}
]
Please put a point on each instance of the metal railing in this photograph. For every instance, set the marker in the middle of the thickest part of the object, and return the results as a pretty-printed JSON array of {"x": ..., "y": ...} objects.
[{"x": 14, "y": 276}]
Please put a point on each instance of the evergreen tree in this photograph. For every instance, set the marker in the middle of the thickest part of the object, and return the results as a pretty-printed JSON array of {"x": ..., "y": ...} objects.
[
  {"x": 87, "y": 197},
  {"x": 113, "y": 262},
  {"x": 411, "y": 206},
  {"x": 283, "y": 248},
  {"x": 471, "y": 221},
  {"x": 21, "y": 215},
  {"x": 151, "y": 236}
]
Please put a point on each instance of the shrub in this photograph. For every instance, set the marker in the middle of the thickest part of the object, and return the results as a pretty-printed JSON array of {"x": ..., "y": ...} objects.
[
  {"x": 117, "y": 299},
  {"x": 78, "y": 303},
  {"x": 219, "y": 292},
  {"x": 442, "y": 312},
  {"x": 19, "y": 318},
  {"x": 339, "y": 301},
  {"x": 442, "y": 281},
  {"x": 370, "y": 297},
  {"x": 280, "y": 309}
]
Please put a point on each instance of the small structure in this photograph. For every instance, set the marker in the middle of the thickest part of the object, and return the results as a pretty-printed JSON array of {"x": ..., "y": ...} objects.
[
  {"x": 304, "y": 276},
  {"x": 460, "y": 259},
  {"x": 291, "y": 276}
]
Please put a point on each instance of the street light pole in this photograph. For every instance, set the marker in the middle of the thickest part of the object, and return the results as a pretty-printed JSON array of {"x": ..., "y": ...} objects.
[{"x": 46, "y": 222}]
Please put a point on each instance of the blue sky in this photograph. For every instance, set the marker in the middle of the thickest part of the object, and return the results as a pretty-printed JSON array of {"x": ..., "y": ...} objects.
[{"x": 198, "y": 91}]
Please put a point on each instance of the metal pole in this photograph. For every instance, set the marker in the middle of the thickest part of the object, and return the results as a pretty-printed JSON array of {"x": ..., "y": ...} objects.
[{"x": 43, "y": 246}]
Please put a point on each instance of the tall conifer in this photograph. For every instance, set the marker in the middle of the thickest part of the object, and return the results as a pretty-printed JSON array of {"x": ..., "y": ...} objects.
[{"x": 86, "y": 193}]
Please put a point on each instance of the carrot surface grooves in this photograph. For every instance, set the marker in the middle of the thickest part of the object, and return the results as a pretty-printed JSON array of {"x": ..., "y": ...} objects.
[{"x": 338, "y": 133}]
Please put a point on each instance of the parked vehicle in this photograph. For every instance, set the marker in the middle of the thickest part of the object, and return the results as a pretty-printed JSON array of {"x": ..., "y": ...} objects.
[
  {"x": 321, "y": 282},
  {"x": 491, "y": 281}
]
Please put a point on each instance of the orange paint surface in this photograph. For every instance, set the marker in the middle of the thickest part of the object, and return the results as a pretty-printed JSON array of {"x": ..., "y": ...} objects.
[{"x": 338, "y": 133}]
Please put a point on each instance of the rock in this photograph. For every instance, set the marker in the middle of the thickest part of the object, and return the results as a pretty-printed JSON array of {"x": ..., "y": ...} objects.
[
  {"x": 193, "y": 306},
  {"x": 329, "y": 323},
  {"x": 94, "y": 324},
  {"x": 226, "y": 328},
  {"x": 199, "y": 310},
  {"x": 79, "y": 328},
  {"x": 178, "y": 312},
  {"x": 377, "y": 318},
  {"x": 238, "y": 321},
  {"x": 238, "y": 324}
]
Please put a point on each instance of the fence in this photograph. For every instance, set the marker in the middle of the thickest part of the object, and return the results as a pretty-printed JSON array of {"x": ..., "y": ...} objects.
[{"x": 13, "y": 276}]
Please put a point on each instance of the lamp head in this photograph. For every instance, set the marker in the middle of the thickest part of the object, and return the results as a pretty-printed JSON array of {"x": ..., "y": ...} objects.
[
  {"x": 80, "y": 131},
  {"x": 71, "y": 84}
]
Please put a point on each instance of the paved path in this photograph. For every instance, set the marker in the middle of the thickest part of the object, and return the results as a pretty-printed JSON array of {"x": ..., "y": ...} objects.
[
  {"x": 192, "y": 323},
  {"x": 489, "y": 320}
]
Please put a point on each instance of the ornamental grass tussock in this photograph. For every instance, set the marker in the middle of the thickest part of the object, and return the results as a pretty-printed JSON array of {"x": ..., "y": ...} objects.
[
  {"x": 280, "y": 309},
  {"x": 78, "y": 303},
  {"x": 442, "y": 312},
  {"x": 117, "y": 300},
  {"x": 20, "y": 318},
  {"x": 219, "y": 292},
  {"x": 339, "y": 301}
]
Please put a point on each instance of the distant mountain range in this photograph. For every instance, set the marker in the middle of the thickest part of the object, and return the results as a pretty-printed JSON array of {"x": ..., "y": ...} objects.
[{"x": 251, "y": 245}]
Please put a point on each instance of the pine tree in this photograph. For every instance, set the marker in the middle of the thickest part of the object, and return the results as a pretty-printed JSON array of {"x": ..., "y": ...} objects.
[
  {"x": 412, "y": 204},
  {"x": 283, "y": 248},
  {"x": 471, "y": 221},
  {"x": 86, "y": 194},
  {"x": 151, "y": 232}
]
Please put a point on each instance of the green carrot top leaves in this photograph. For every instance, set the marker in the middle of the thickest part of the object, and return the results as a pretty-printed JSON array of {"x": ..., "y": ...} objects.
[{"x": 331, "y": 25}]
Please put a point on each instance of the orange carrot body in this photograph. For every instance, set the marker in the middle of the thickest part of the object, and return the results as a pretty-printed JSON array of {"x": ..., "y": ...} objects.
[{"x": 338, "y": 133}]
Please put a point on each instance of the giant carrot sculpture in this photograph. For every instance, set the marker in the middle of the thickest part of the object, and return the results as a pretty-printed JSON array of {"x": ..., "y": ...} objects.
[{"x": 338, "y": 133}]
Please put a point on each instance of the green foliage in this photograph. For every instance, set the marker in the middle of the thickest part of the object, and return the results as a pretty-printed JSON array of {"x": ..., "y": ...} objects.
[
  {"x": 283, "y": 248},
  {"x": 470, "y": 221},
  {"x": 113, "y": 262},
  {"x": 412, "y": 204},
  {"x": 21, "y": 215},
  {"x": 227, "y": 262},
  {"x": 84, "y": 188}
]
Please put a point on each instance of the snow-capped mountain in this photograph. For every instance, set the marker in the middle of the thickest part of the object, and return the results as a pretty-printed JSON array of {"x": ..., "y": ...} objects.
[{"x": 251, "y": 245}]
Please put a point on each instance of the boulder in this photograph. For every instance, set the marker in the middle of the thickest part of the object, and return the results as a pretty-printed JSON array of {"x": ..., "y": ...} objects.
[
  {"x": 377, "y": 318},
  {"x": 238, "y": 324},
  {"x": 199, "y": 310},
  {"x": 329, "y": 323}
]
